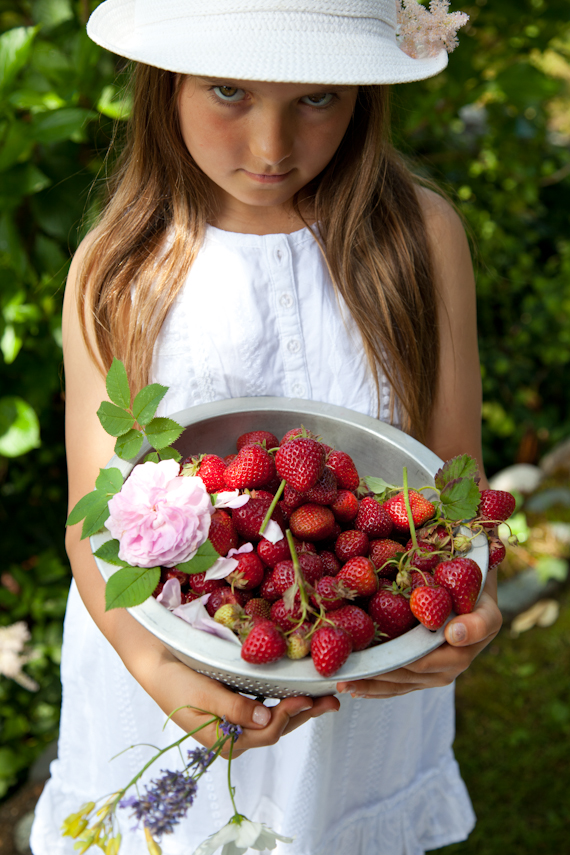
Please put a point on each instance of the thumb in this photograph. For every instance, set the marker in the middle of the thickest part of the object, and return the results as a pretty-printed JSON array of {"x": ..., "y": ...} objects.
[{"x": 482, "y": 624}]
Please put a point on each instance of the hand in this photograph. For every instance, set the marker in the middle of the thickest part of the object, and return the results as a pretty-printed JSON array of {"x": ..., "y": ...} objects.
[
  {"x": 466, "y": 636},
  {"x": 261, "y": 725}
]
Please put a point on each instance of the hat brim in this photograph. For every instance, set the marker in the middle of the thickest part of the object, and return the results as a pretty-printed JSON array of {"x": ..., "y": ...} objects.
[{"x": 276, "y": 47}]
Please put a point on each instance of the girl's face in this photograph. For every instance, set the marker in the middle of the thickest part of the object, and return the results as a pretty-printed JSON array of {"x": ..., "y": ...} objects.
[{"x": 260, "y": 143}]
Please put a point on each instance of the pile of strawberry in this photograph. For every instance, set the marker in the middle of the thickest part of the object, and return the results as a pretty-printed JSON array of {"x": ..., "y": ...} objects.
[{"x": 354, "y": 567}]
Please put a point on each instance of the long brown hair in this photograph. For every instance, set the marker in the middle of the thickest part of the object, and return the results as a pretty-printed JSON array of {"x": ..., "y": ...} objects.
[{"x": 371, "y": 232}]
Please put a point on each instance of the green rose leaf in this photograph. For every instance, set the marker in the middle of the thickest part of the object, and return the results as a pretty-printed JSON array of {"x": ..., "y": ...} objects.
[
  {"x": 460, "y": 499},
  {"x": 96, "y": 516},
  {"x": 115, "y": 420},
  {"x": 109, "y": 481},
  {"x": 109, "y": 552},
  {"x": 83, "y": 506},
  {"x": 206, "y": 556},
  {"x": 146, "y": 402},
  {"x": 129, "y": 444},
  {"x": 162, "y": 432},
  {"x": 170, "y": 454},
  {"x": 462, "y": 466},
  {"x": 118, "y": 385},
  {"x": 152, "y": 457},
  {"x": 130, "y": 586}
]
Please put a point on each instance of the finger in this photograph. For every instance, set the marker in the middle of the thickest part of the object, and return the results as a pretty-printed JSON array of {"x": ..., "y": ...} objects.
[
  {"x": 320, "y": 707},
  {"x": 481, "y": 625}
]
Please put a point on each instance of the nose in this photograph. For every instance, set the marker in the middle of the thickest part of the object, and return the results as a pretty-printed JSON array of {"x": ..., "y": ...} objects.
[{"x": 271, "y": 137}]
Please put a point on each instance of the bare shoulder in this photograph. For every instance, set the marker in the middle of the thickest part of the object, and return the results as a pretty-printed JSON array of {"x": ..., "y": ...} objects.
[
  {"x": 71, "y": 323},
  {"x": 443, "y": 223}
]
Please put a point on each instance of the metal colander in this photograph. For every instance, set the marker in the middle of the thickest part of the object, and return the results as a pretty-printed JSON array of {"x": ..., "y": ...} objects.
[{"x": 377, "y": 449}]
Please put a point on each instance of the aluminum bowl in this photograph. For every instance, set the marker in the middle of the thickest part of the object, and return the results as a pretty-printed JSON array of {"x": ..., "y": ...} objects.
[{"x": 377, "y": 449}]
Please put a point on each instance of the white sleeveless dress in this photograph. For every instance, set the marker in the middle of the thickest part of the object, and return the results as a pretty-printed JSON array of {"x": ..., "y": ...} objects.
[{"x": 258, "y": 316}]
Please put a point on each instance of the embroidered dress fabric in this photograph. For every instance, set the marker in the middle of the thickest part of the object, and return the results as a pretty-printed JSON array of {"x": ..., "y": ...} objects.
[{"x": 258, "y": 316}]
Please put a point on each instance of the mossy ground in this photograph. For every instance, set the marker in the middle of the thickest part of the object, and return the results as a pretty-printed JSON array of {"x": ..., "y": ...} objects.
[{"x": 513, "y": 742}]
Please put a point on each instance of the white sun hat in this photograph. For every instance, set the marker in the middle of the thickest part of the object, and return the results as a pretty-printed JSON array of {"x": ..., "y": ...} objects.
[{"x": 297, "y": 41}]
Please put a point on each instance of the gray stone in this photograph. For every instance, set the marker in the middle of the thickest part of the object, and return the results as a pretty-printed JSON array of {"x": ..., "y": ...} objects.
[
  {"x": 561, "y": 531},
  {"x": 546, "y": 499},
  {"x": 523, "y": 477},
  {"x": 558, "y": 459},
  {"x": 22, "y": 832},
  {"x": 40, "y": 769},
  {"x": 518, "y": 594}
]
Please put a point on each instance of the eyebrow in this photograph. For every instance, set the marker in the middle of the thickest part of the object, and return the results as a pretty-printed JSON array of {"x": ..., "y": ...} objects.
[{"x": 318, "y": 87}]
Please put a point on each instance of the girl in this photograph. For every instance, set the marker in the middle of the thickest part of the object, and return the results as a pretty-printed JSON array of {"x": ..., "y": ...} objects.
[{"x": 262, "y": 238}]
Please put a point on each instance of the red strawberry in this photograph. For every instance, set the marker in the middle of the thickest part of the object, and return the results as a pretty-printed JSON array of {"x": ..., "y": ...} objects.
[
  {"x": 328, "y": 593},
  {"x": 221, "y": 597},
  {"x": 330, "y": 648},
  {"x": 462, "y": 577},
  {"x": 253, "y": 467},
  {"x": 300, "y": 462},
  {"x": 249, "y": 573},
  {"x": 229, "y": 457},
  {"x": 249, "y": 517},
  {"x": 495, "y": 507},
  {"x": 351, "y": 543},
  {"x": 382, "y": 551},
  {"x": 421, "y": 578},
  {"x": 199, "y": 585},
  {"x": 209, "y": 467},
  {"x": 283, "y": 577},
  {"x": 272, "y": 553},
  {"x": 223, "y": 535},
  {"x": 431, "y": 604},
  {"x": 267, "y": 588},
  {"x": 312, "y": 522},
  {"x": 373, "y": 519},
  {"x": 182, "y": 577},
  {"x": 311, "y": 566},
  {"x": 265, "y": 643},
  {"x": 343, "y": 467},
  {"x": 424, "y": 559},
  {"x": 258, "y": 608},
  {"x": 285, "y": 618},
  {"x": 292, "y": 498},
  {"x": 391, "y": 612},
  {"x": 295, "y": 433},
  {"x": 497, "y": 551},
  {"x": 359, "y": 575},
  {"x": 259, "y": 436},
  {"x": 357, "y": 623},
  {"x": 422, "y": 510},
  {"x": 345, "y": 507},
  {"x": 331, "y": 564},
  {"x": 324, "y": 492}
]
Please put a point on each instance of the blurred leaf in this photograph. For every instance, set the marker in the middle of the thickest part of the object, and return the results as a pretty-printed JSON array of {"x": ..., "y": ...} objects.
[
  {"x": 549, "y": 567},
  {"x": 10, "y": 344},
  {"x": 67, "y": 123},
  {"x": 19, "y": 427},
  {"x": 113, "y": 104},
  {"x": 52, "y": 12},
  {"x": 15, "y": 46}
]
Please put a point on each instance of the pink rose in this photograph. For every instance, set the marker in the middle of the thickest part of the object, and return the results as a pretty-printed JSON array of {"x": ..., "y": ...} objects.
[{"x": 159, "y": 517}]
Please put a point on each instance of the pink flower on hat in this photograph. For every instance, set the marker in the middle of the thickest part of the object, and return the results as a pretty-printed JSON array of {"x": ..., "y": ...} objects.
[
  {"x": 159, "y": 517},
  {"x": 423, "y": 33}
]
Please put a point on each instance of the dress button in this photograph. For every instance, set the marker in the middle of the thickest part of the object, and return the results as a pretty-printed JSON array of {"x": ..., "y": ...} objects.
[
  {"x": 278, "y": 254},
  {"x": 294, "y": 345},
  {"x": 299, "y": 390},
  {"x": 286, "y": 300}
]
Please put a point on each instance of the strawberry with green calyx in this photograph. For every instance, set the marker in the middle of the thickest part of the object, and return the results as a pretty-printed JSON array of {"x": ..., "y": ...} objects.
[
  {"x": 265, "y": 643},
  {"x": 300, "y": 462},
  {"x": 497, "y": 551},
  {"x": 495, "y": 507},
  {"x": 345, "y": 470},
  {"x": 252, "y": 468},
  {"x": 229, "y": 615},
  {"x": 249, "y": 572},
  {"x": 462, "y": 577},
  {"x": 330, "y": 594},
  {"x": 209, "y": 467},
  {"x": 299, "y": 642},
  {"x": 359, "y": 575},
  {"x": 385, "y": 555},
  {"x": 299, "y": 433}
]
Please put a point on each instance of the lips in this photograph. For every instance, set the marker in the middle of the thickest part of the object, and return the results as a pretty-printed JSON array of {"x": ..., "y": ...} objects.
[{"x": 265, "y": 178}]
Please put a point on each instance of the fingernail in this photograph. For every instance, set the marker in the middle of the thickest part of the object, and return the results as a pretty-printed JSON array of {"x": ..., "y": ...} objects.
[
  {"x": 261, "y": 715},
  {"x": 305, "y": 708},
  {"x": 458, "y": 632},
  {"x": 346, "y": 690}
]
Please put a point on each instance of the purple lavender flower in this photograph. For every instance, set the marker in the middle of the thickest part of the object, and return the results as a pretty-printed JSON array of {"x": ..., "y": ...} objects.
[
  {"x": 229, "y": 729},
  {"x": 200, "y": 758},
  {"x": 165, "y": 802}
]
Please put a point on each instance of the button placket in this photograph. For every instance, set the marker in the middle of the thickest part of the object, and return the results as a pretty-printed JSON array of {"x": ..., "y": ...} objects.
[{"x": 289, "y": 322}]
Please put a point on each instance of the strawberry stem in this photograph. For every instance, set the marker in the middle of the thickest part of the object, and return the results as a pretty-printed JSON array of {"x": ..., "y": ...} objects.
[
  {"x": 408, "y": 508},
  {"x": 272, "y": 506}
]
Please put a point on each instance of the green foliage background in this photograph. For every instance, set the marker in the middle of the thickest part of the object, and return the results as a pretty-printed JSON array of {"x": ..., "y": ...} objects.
[{"x": 493, "y": 130}]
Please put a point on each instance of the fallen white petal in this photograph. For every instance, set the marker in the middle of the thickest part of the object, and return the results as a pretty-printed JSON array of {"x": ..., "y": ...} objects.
[
  {"x": 245, "y": 547},
  {"x": 272, "y": 532},
  {"x": 196, "y": 615},
  {"x": 221, "y": 568},
  {"x": 171, "y": 594},
  {"x": 231, "y": 499}
]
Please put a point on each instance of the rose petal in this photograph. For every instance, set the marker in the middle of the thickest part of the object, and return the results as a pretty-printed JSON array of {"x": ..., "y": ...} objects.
[
  {"x": 245, "y": 547},
  {"x": 221, "y": 568},
  {"x": 196, "y": 615},
  {"x": 231, "y": 499},
  {"x": 171, "y": 594},
  {"x": 272, "y": 532}
]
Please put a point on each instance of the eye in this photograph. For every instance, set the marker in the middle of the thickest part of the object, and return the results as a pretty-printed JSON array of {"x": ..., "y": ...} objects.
[
  {"x": 320, "y": 100},
  {"x": 229, "y": 93}
]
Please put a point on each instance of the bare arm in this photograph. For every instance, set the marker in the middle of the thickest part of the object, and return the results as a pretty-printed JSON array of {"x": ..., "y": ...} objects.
[
  {"x": 170, "y": 683},
  {"x": 455, "y": 429}
]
